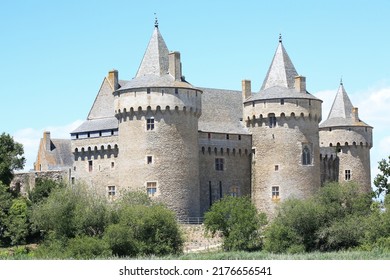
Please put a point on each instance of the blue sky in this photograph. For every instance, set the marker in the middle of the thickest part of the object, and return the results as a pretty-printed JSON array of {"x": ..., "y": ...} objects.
[{"x": 54, "y": 54}]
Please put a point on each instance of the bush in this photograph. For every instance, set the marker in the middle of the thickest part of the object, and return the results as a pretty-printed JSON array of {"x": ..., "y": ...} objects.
[
  {"x": 155, "y": 229},
  {"x": 335, "y": 218},
  {"x": 42, "y": 189},
  {"x": 87, "y": 247},
  {"x": 17, "y": 222},
  {"x": 236, "y": 218},
  {"x": 120, "y": 239}
]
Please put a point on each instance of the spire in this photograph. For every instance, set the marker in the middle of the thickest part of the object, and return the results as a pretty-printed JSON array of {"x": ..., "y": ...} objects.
[
  {"x": 155, "y": 60},
  {"x": 282, "y": 71},
  {"x": 342, "y": 106}
]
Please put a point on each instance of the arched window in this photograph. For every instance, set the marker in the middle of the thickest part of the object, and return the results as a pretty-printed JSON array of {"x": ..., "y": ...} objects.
[{"x": 306, "y": 156}]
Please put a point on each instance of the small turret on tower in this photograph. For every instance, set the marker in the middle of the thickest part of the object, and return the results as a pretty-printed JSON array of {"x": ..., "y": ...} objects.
[{"x": 345, "y": 140}]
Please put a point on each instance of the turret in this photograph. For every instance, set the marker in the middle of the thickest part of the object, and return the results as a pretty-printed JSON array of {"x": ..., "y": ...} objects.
[
  {"x": 345, "y": 142},
  {"x": 283, "y": 119},
  {"x": 158, "y": 115}
]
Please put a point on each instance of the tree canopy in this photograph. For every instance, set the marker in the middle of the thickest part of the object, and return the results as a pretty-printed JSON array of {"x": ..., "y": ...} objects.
[
  {"x": 11, "y": 158},
  {"x": 381, "y": 180}
]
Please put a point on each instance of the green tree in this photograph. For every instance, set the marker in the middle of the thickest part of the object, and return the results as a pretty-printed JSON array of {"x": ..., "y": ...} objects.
[
  {"x": 17, "y": 222},
  {"x": 337, "y": 217},
  {"x": 11, "y": 158},
  {"x": 42, "y": 189},
  {"x": 237, "y": 219},
  {"x": 295, "y": 225},
  {"x": 5, "y": 205},
  {"x": 381, "y": 179}
]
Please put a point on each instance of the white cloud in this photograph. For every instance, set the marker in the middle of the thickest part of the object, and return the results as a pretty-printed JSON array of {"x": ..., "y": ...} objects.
[{"x": 30, "y": 138}]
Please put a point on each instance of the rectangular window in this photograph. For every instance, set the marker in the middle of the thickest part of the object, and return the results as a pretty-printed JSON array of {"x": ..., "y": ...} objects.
[
  {"x": 219, "y": 164},
  {"x": 277, "y": 167},
  {"x": 73, "y": 180},
  {"x": 147, "y": 90},
  {"x": 176, "y": 90},
  {"x": 151, "y": 188},
  {"x": 282, "y": 101},
  {"x": 209, "y": 135},
  {"x": 347, "y": 175},
  {"x": 150, "y": 124},
  {"x": 111, "y": 191},
  {"x": 227, "y": 136},
  {"x": 112, "y": 164},
  {"x": 275, "y": 192},
  {"x": 234, "y": 191},
  {"x": 90, "y": 166},
  {"x": 239, "y": 137},
  {"x": 149, "y": 159}
]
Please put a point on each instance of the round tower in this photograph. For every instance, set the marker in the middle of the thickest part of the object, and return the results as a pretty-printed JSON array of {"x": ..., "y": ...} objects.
[
  {"x": 283, "y": 119},
  {"x": 348, "y": 139},
  {"x": 158, "y": 114}
]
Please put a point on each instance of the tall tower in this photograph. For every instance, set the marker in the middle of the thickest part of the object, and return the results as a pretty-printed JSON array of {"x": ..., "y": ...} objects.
[
  {"x": 158, "y": 114},
  {"x": 349, "y": 139},
  {"x": 283, "y": 119}
]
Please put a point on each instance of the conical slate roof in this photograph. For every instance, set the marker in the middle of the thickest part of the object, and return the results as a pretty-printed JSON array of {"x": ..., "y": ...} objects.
[
  {"x": 342, "y": 113},
  {"x": 280, "y": 79},
  {"x": 154, "y": 68},
  {"x": 282, "y": 71},
  {"x": 155, "y": 60}
]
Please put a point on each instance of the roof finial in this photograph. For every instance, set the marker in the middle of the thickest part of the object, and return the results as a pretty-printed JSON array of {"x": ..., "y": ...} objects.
[
  {"x": 280, "y": 37},
  {"x": 341, "y": 81},
  {"x": 155, "y": 21}
]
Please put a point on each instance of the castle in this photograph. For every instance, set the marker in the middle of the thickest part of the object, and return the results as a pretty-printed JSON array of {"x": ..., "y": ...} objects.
[{"x": 189, "y": 146}]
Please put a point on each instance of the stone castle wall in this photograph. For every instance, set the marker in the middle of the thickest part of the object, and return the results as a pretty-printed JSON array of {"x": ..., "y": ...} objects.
[{"x": 234, "y": 178}]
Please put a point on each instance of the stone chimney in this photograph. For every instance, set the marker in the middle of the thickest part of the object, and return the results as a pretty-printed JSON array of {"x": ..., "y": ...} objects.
[
  {"x": 355, "y": 114},
  {"x": 246, "y": 89},
  {"x": 47, "y": 140},
  {"x": 175, "y": 65},
  {"x": 300, "y": 84},
  {"x": 113, "y": 78}
]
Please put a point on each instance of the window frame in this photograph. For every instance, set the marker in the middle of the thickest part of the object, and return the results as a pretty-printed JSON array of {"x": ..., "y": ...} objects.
[
  {"x": 219, "y": 164},
  {"x": 150, "y": 124},
  {"x": 347, "y": 174},
  {"x": 275, "y": 192},
  {"x": 111, "y": 191},
  {"x": 151, "y": 188}
]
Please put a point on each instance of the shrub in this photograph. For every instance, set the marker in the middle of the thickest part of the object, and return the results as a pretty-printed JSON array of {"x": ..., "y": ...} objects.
[
  {"x": 87, "y": 247},
  {"x": 120, "y": 239},
  {"x": 237, "y": 219},
  {"x": 17, "y": 222}
]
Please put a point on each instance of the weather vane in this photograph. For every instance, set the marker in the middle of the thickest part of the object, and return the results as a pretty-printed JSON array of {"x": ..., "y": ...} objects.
[{"x": 155, "y": 20}]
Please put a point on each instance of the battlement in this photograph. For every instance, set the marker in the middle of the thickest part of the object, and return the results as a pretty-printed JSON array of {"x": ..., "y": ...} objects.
[
  {"x": 288, "y": 108},
  {"x": 352, "y": 136},
  {"x": 158, "y": 99}
]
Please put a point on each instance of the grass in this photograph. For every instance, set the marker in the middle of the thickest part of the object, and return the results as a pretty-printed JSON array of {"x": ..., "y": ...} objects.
[{"x": 20, "y": 253}]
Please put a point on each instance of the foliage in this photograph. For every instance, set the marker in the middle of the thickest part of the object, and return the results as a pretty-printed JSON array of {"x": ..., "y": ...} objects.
[
  {"x": 153, "y": 228},
  {"x": 236, "y": 218},
  {"x": 17, "y": 222},
  {"x": 295, "y": 226},
  {"x": 338, "y": 217},
  {"x": 5, "y": 204},
  {"x": 130, "y": 226},
  {"x": 87, "y": 247},
  {"x": 42, "y": 189},
  {"x": 11, "y": 158},
  {"x": 381, "y": 180},
  {"x": 120, "y": 239}
]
